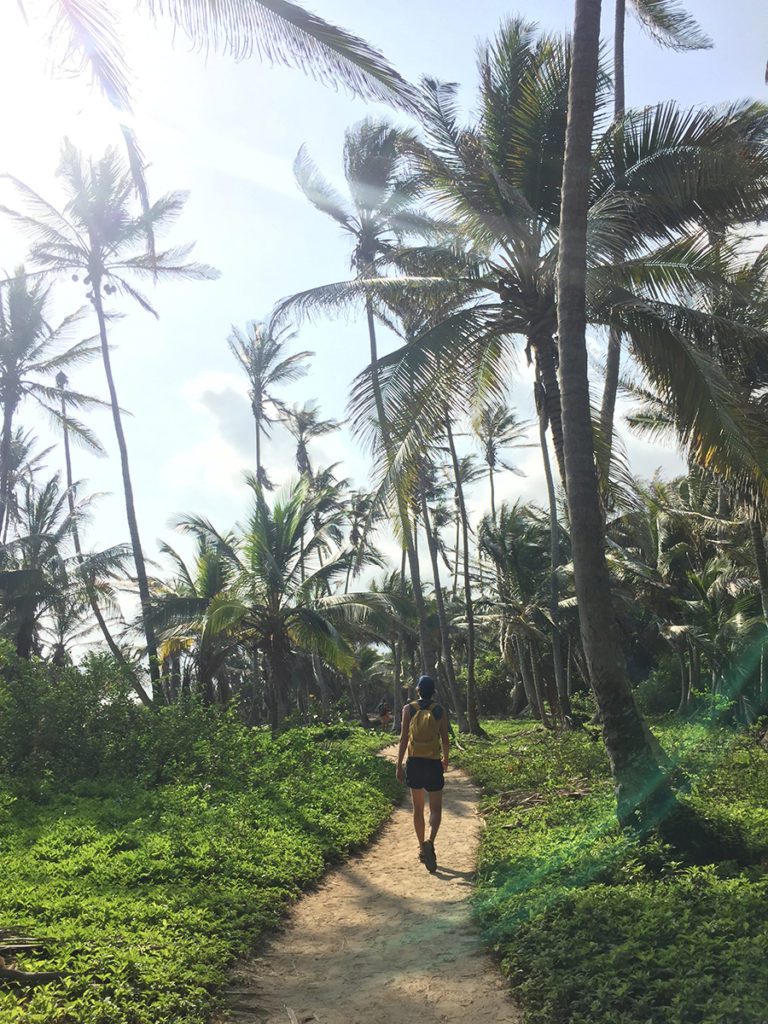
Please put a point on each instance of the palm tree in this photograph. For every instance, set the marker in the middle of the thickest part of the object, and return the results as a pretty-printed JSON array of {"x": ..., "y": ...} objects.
[
  {"x": 31, "y": 351},
  {"x": 97, "y": 235},
  {"x": 379, "y": 213},
  {"x": 304, "y": 424},
  {"x": 268, "y": 603},
  {"x": 499, "y": 181},
  {"x": 515, "y": 543},
  {"x": 260, "y": 352},
  {"x": 643, "y": 794},
  {"x": 90, "y": 588},
  {"x": 181, "y": 606},
  {"x": 37, "y": 571},
  {"x": 362, "y": 517},
  {"x": 428, "y": 488},
  {"x": 670, "y": 25},
  {"x": 497, "y": 428}
]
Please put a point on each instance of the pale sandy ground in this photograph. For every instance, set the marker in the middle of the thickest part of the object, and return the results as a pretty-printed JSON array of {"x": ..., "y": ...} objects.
[{"x": 382, "y": 940}]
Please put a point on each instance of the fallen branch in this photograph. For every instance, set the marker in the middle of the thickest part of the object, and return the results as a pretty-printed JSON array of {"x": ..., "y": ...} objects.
[{"x": 9, "y": 974}]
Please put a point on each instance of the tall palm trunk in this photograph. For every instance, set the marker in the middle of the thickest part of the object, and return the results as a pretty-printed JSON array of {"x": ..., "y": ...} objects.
[
  {"x": 130, "y": 509},
  {"x": 445, "y": 636},
  {"x": 554, "y": 590},
  {"x": 473, "y": 720},
  {"x": 457, "y": 556},
  {"x": 524, "y": 663},
  {"x": 427, "y": 657},
  {"x": 9, "y": 408},
  {"x": 613, "y": 355},
  {"x": 258, "y": 448},
  {"x": 546, "y": 371},
  {"x": 397, "y": 696},
  {"x": 761, "y": 562},
  {"x": 115, "y": 651},
  {"x": 493, "y": 494},
  {"x": 643, "y": 794}
]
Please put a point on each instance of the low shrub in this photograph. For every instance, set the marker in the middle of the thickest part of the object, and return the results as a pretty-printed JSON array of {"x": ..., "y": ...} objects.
[
  {"x": 151, "y": 848},
  {"x": 592, "y": 925}
]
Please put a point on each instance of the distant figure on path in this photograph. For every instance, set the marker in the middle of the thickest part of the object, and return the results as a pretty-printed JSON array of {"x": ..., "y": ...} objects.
[
  {"x": 385, "y": 715},
  {"x": 424, "y": 733}
]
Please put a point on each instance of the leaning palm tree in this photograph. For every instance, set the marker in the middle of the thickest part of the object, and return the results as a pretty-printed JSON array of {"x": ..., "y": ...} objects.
[
  {"x": 91, "y": 591},
  {"x": 98, "y": 234},
  {"x": 261, "y": 353},
  {"x": 31, "y": 351},
  {"x": 643, "y": 794}
]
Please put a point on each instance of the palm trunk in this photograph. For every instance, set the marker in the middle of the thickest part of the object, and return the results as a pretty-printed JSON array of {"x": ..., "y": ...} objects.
[
  {"x": 133, "y": 526},
  {"x": 554, "y": 591},
  {"x": 445, "y": 636},
  {"x": 538, "y": 688},
  {"x": 473, "y": 721},
  {"x": 613, "y": 355},
  {"x": 643, "y": 794},
  {"x": 455, "y": 588},
  {"x": 546, "y": 374},
  {"x": 761, "y": 561},
  {"x": 493, "y": 494},
  {"x": 9, "y": 408},
  {"x": 115, "y": 651},
  {"x": 427, "y": 658},
  {"x": 279, "y": 672},
  {"x": 525, "y": 674},
  {"x": 322, "y": 685},
  {"x": 258, "y": 451}
]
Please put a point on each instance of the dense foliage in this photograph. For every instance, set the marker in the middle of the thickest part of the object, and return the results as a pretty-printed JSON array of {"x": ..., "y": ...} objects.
[
  {"x": 592, "y": 925},
  {"x": 149, "y": 848}
]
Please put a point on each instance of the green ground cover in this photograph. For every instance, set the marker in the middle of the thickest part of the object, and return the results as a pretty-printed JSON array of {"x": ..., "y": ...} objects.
[
  {"x": 593, "y": 927},
  {"x": 148, "y": 885}
]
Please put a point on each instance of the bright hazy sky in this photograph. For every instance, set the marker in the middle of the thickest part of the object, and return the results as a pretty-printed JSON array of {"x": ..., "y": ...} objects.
[{"x": 228, "y": 133}]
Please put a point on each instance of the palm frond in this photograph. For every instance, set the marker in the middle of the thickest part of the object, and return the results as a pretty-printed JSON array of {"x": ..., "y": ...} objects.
[
  {"x": 670, "y": 24},
  {"x": 282, "y": 32},
  {"x": 91, "y": 33}
]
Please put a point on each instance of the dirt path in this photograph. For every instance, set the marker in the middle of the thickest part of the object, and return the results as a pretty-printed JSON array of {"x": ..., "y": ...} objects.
[{"x": 381, "y": 940}]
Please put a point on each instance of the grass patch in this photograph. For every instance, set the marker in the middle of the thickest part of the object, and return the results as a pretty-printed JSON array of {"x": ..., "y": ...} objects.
[
  {"x": 149, "y": 889},
  {"x": 590, "y": 925}
]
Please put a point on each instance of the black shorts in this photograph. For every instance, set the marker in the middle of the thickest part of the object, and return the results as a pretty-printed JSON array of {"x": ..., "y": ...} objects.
[{"x": 424, "y": 773}]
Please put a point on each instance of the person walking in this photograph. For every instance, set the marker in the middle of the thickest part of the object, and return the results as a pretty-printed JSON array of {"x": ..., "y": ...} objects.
[{"x": 424, "y": 735}]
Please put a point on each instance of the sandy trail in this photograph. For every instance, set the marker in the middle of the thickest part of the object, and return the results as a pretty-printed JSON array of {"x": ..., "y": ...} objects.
[{"x": 381, "y": 939}]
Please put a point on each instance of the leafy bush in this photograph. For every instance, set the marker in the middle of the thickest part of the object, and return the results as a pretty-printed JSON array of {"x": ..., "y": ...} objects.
[
  {"x": 593, "y": 926},
  {"x": 152, "y": 848},
  {"x": 660, "y": 691}
]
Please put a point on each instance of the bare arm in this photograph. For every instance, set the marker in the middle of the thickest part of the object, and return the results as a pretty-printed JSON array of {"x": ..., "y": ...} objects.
[
  {"x": 444, "y": 739},
  {"x": 404, "y": 726}
]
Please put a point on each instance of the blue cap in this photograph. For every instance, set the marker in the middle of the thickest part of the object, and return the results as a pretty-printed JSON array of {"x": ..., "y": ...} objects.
[{"x": 426, "y": 686}]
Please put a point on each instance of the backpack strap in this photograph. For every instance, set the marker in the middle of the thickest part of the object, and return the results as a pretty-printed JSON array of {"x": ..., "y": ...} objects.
[{"x": 422, "y": 705}]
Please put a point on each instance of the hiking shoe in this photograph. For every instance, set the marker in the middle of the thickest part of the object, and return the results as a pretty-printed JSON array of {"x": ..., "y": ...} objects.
[{"x": 428, "y": 857}]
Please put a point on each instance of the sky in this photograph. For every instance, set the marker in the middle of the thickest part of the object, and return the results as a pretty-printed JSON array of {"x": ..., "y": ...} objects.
[{"x": 228, "y": 133}]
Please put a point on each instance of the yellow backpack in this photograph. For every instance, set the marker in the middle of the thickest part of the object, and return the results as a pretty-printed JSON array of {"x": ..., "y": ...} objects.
[{"x": 424, "y": 730}]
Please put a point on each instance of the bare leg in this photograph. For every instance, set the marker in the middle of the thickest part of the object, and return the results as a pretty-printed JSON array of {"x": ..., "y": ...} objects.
[
  {"x": 417, "y": 795},
  {"x": 435, "y": 813}
]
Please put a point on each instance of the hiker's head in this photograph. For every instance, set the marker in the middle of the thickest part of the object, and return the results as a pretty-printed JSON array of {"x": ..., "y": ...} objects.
[{"x": 426, "y": 686}]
